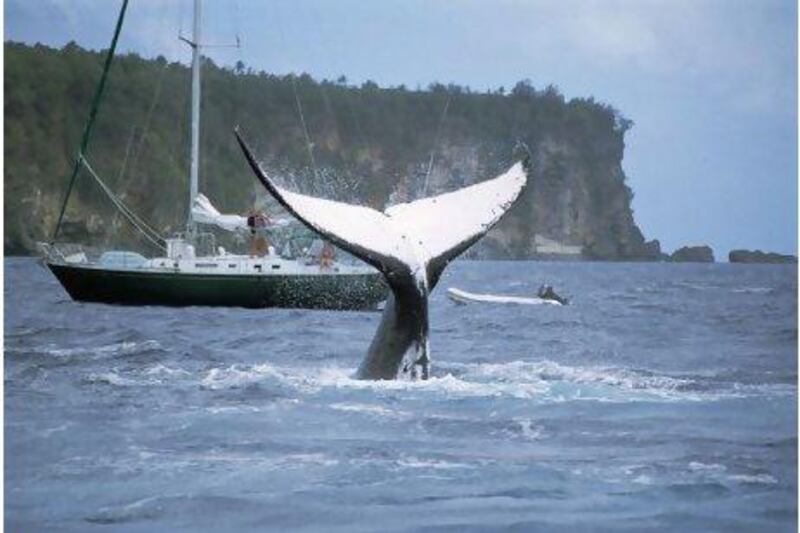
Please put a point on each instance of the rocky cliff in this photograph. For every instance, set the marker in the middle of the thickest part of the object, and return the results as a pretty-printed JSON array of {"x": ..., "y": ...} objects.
[{"x": 371, "y": 145}]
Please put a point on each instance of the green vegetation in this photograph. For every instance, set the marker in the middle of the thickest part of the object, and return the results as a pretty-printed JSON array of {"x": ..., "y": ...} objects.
[{"x": 370, "y": 144}]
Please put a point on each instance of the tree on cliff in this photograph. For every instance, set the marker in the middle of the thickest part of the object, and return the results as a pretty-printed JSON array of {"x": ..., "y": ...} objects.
[{"x": 367, "y": 141}]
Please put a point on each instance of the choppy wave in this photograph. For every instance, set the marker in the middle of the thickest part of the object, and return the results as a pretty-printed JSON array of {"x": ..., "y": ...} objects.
[
  {"x": 697, "y": 466},
  {"x": 543, "y": 380},
  {"x": 370, "y": 409},
  {"x": 720, "y": 473},
  {"x": 164, "y": 371},
  {"x": 238, "y": 376},
  {"x": 752, "y": 290},
  {"x": 109, "y": 378},
  {"x": 430, "y": 464},
  {"x": 155, "y": 507},
  {"x": 760, "y": 479},
  {"x": 313, "y": 380},
  {"x": 540, "y": 381},
  {"x": 158, "y": 374},
  {"x": 546, "y": 370},
  {"x": 27, "y": 332},
  {"x": 144, "y": 509},
  {"x": 241, "y": 418},
  {"x": 529, "y": 430},
  {"x": 53, "y": 352}
]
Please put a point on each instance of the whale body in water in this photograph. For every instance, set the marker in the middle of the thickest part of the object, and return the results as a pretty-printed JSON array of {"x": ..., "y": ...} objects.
[{"x": 410, "y": 244}]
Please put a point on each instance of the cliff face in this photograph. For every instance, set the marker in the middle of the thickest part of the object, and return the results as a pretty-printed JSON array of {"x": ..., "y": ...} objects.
[
  {"x": 577, "y": 203},
  {"x": 371, "y": 145}
]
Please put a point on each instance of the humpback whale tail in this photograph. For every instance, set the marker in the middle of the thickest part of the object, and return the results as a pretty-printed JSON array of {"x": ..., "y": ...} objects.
[{"x": 411, "y": 244}]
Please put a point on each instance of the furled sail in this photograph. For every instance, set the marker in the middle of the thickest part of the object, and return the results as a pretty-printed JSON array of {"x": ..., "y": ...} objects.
[{"x": 204, "y": 212}]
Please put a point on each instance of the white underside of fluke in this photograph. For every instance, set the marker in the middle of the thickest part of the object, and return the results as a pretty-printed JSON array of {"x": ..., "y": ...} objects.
[{"x": 415, "y": 232}]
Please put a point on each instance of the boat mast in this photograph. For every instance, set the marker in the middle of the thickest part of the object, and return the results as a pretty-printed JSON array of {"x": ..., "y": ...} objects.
[
  {"x": 87, "y": 130},
  {"x": 195, "y": 150}
]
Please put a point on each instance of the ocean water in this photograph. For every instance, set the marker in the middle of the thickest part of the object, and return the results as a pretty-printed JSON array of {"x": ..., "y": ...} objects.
[{"x": 663, "y": 398}]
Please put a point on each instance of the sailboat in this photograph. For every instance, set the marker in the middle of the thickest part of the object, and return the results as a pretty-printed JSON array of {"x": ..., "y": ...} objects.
[{"x": 184, "y": 277}]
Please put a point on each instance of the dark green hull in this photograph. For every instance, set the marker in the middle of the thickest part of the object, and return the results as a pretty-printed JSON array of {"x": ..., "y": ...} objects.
[{"x": 125, "y": 287}]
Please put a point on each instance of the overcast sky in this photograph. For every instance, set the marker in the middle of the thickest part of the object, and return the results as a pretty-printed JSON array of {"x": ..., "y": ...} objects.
[{"x": 711, "y": 85}]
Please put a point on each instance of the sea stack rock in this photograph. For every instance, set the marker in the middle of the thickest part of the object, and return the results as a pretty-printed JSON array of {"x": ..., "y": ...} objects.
[
  {"x": 693, "y": 254},
  {"x": 651, "y": 251},
  {"x": 757, "y": 256}
]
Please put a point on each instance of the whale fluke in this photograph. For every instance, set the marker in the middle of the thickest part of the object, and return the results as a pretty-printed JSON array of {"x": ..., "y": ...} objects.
[{"x": 410, "y": 244}]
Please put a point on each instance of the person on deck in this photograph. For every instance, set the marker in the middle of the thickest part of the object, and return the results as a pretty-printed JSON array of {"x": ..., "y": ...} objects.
[
  {"x": 326, "y": 256},
  {"x": 546, "y": 292},
  {"x": 257, "y": 222}
]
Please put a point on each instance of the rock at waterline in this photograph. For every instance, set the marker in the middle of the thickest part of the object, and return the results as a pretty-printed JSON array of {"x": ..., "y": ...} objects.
[
  {"x": 693, "y": 254},
  {"x": 757, "y": 256}
]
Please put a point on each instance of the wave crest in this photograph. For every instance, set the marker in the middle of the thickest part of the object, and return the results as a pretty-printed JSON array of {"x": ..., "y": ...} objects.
[{"x": 540, "y": 380}]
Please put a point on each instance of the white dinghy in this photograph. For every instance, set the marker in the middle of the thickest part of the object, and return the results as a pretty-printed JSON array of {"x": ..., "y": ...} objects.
[{"x": 464, "y": 297}]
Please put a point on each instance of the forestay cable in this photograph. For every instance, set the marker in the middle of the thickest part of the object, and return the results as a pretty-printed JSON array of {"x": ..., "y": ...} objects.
[
  {"x": 304, "y": 127},
  {"x": 92, "y": 114}
]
